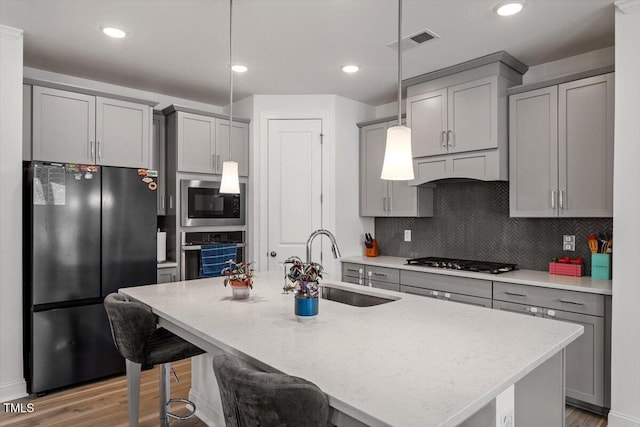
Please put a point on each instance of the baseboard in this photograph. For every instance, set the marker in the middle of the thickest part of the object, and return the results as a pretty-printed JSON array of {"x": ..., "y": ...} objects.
[
  {"x": 13, "y": 390},
  {"x": 616, "y": 419},
  {"x": 204, "y": 410}
]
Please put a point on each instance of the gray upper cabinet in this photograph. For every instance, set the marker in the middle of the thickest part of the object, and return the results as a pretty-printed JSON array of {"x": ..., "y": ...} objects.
[
  {"x": 379, "y": 197},
  {"x": 64, "y": 126},
  {"x": 196, "y": 143},
  {"x": 159, "y": 159},
  {"x": 473, "y": 112},
  {"x": 533, "y": 153},
  {"x": 203, "y": 143},
  {"x": 456, "y": 119},
  {"x": 122, "y": 133},
  {"x": 81, "y": 128},
  {"x": 239, "y": 145},
  {"x": 428, "y": 117},
  {"x": 459, "y": 121},
  {"x": 561, "y": 150}
]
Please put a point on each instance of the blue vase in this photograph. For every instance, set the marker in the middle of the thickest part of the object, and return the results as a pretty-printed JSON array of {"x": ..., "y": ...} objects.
[{"x": 306, "y": 307}]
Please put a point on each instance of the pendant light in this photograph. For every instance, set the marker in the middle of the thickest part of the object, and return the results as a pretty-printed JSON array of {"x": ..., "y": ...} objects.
[
  {"x": 398, "y": 160},
  {"x": 230, "y": 183}
]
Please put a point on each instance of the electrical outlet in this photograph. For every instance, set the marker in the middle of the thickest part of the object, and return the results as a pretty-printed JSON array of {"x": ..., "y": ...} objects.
[
  {"x": 506, "y": 420},
  {"x": 569, "y": 242},
  {"x": 407, "y": 235}
]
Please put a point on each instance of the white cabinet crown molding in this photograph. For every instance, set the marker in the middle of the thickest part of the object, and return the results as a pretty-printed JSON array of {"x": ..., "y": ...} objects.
[
  {"x": 628, "y": 6},
  {"x": 10, "y": 32}
]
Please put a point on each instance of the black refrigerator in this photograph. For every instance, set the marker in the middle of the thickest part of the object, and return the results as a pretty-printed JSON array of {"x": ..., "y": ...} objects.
[{"x": 89, "y": 230}]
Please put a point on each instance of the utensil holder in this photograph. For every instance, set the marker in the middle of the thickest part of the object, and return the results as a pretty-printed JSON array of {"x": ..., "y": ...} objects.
[
  {"x": 601, "y": 266},
  {"x": 373, "y": 251}
]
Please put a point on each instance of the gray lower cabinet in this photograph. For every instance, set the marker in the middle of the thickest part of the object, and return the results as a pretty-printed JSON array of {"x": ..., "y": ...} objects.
[
  {"x": 353, "y": 273},
  {"x": 553, "y": 133},
  {"x": 167, "y": 274},
  {"x": 379, "y": 197},
  {"x": 382, "y": 277},
  {"x": 586, "y": 357},
  {"x": 450, "y": 288}
]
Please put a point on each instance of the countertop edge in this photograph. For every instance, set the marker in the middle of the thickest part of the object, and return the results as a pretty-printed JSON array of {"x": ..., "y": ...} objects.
[{"x": 398, "y": 263}]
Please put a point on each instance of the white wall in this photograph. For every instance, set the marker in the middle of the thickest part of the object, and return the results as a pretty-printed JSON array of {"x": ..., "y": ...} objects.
[
  {"x": 338, "y": 126},
  {"x": 625, "y": 351},
  {"x": 571, "y": 65},
  {"x": 12, "y": 383},
  {"x": 162, "y": 99},
  {"x": 349, "y": 225}
]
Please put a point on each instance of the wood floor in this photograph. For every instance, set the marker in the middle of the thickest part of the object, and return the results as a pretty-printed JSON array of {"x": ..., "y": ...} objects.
[{"x": 105, "y": 404}]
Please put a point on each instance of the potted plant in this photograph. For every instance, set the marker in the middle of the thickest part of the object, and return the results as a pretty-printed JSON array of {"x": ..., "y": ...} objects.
[
  {"x": 304, "y": 276},
  {"x": 240, "y": 276}
]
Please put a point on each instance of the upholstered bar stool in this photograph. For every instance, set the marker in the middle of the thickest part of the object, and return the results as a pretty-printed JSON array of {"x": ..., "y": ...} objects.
[
  {"x": 254, "y": 398},
  {"x": 133, "y": 327}
]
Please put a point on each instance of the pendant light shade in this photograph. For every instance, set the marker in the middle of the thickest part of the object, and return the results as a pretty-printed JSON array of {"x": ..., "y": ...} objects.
[
  {"x": 230, "y": 183},
  {"x": 398, "y": 162},
  {"x": 398, "y": 159}
]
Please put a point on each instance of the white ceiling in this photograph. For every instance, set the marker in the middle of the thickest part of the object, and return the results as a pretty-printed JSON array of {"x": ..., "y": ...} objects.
[{"x": 180, "y": 47}]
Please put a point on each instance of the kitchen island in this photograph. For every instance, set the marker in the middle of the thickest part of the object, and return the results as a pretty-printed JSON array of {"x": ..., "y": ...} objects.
[{"x": 409, "y": 362}]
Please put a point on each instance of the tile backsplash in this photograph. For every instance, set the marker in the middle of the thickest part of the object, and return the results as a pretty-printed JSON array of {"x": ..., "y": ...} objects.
[{"x": 471, "y": 221}]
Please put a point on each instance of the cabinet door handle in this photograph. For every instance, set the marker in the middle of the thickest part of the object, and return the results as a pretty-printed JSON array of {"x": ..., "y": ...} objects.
[
  {"x": 353, "y": 270},
  {"x": 162, "y": 201},
  {"x": 170, "y": 202},
  {"x": 447, "y": 295},
  {"x": 561, "y": 199},
  {"x": 99, "y": 150},
  {"x": 450, "y": 138},
  {"x": 566, "y": 301},
  {"x": 90, "y": 154},
  {"x": 434, "y": 293},
  {"x": 551, "y": 313},
  {"x": 442, "y": 138},
  {"x": 370, "y": 284},
  {"x": 389, "y": 204},
  {"x": 380, "y": 274},
  {"x": 553, "y": 199},
  {"x": 384, "y": 204},
  {"x": 515, "y": 294},
  {"x": 213, "y": 162},
  {"x": 533, "y": 310}
]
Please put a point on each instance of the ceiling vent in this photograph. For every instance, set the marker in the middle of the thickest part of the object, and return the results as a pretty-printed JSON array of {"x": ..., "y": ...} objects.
[{"x": 414, "y": 40}]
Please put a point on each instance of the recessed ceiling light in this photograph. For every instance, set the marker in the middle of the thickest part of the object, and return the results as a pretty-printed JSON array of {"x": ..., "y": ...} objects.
[
  {"x": 239, "y": 68},
  {"x": 509, "y": 8},
  {"x": 350, "y": 69},
  {"x": 116, "y": 33}
]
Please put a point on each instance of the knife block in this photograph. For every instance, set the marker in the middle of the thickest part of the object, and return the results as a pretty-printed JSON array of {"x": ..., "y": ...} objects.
[{"x": 374, "y": 251}]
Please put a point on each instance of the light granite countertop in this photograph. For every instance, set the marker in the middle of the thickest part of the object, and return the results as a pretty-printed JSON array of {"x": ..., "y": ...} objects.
[
  {"x": 411, "y": 362},
  {"x": 522, "y": 277}
]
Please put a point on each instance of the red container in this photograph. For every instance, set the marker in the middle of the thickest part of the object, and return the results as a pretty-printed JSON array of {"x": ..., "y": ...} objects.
[{"x": 565, "y": 269}]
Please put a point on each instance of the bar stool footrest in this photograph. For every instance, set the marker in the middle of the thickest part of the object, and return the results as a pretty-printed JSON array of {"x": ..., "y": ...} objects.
[{"x": 186, "y": 402}]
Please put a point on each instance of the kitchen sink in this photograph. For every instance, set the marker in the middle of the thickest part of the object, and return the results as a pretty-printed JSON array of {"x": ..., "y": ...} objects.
[{"x": 353, "y": 298}]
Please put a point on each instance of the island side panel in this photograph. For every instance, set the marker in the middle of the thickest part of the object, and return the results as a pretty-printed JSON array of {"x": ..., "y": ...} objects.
[{"x": 540, "y": 396}]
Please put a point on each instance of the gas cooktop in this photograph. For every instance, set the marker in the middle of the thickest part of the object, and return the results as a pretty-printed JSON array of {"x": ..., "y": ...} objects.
[{"x": 463, "y": 264}]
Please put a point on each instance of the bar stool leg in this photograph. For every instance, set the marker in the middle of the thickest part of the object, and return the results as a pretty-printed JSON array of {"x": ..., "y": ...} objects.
[
  {"x": 133, "y": 391},
  {"x": 165, "y": 393}
]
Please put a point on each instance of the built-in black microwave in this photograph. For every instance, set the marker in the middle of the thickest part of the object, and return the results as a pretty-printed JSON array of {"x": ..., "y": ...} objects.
[{"x": 202, "y": 204}]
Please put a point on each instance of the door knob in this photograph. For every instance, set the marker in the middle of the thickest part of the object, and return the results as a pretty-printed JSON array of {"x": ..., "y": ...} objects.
[{"x": 273, "y": 254}]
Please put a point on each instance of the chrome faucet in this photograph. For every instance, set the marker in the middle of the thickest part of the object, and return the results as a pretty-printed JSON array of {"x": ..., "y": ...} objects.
[{"x": 334, "y": 245}]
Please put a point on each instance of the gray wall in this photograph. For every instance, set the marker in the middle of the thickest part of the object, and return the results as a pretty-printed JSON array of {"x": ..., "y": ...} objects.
[{"x": 471, "y": 221}]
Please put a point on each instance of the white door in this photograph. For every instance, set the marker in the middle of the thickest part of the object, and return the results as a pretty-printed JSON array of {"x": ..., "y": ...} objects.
[{"x": 295, "y": 185}]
